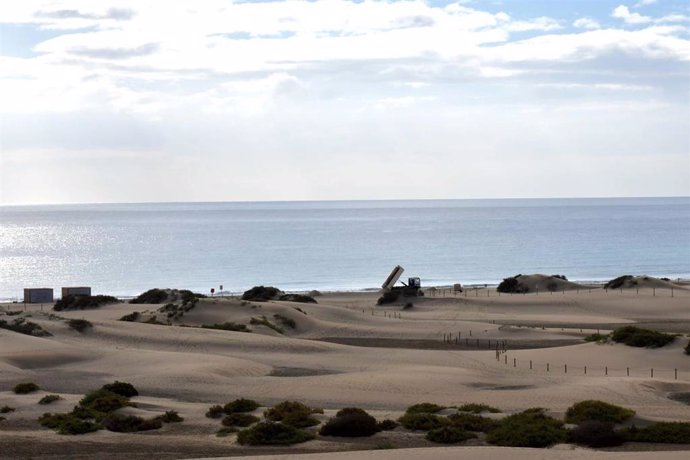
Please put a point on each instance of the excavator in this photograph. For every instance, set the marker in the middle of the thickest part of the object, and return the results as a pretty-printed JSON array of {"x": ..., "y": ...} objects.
[{"x": 413, "y": 288}]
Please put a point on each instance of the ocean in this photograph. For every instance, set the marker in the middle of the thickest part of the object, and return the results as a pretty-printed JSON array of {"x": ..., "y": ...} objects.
[{"x": 124, "y": 249}]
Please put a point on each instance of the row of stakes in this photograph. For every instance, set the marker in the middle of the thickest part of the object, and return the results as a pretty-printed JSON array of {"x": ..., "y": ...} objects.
[{"x": 435, "y": 292}]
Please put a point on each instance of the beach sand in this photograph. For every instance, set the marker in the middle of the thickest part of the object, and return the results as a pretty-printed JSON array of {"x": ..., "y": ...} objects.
[{"x": 345, "y": 351}]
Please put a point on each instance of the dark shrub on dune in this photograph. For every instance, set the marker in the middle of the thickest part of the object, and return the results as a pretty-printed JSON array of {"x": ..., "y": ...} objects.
[
  {"x": 228, "y": 326},
  {"x": 423, "y": 421},
  {"x": 449, "y": 435},
  {"x": 599, "y": 411},
  {"x": 49, "y": 399},
  {"x": 661, "y": 432},
  {"x": 261, "y": 293},
  {"x": 6, "y": 409},
  {"x": 103, "y": 401},
  {"x": 596, "y": 434},
  {"x": 478, "y": 408},
  {"x": 292, "y": 413},
  {"x": 687, "y": 348},
  {"x": 424, "y": 408},
  {"x": 240, "y": 405},
  {"x": 152, "y": 296},
  {"x": 621, "y": 282},
  {"x": 82, "y": 302},
  {"x": 472, "y": 422},
  {"x": 171, "y": 416},
  {"x": 134, "y": 316},
  {"x": 637, "y": 337},
  {"x": 130, "y": 423},
  {"x": 351, "y": 422},
  {"x": 285, "y": 321},
  {"x": 272, "y": 434},
  {"x": 68, "y": 424},
  {"x": 531, "y": 428},
  {"x": 21, "y": 326},
  {"x": 215, "y": 411},
  {"x": 79, "y": 325},
  {"x": 25, "y": 388},
  {"x": 121, "y": 388},
  {"x": 560, "y": 277},
  {"x": 512, "y": 285},
  {"x": 239, "y": 419},
  {"x": 387, "y": 425},
  {"x": 297, "y": 298}
]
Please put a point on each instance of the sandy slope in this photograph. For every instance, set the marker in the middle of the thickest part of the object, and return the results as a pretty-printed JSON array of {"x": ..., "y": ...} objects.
[{"x": 189, "y": 368}]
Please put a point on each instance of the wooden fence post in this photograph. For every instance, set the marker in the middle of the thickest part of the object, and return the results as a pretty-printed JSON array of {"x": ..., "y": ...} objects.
[{"x": 530, "y": 364}]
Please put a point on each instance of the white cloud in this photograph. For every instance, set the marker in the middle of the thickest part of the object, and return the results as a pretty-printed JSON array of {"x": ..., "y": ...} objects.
[
  {"x": 642, "y": 3},
  {"x": 586, "y": 23},
  {"x": 624, "y": 13}
]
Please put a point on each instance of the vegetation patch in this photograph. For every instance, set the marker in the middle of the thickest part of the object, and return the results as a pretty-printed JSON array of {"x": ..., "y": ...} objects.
[
  {"x": 215, "y": 411},
  {"x": 478, "y": 408},
  {"x": 593, "y": 433},
  {"x": 228, "y": 326},
  {"x": 387, "y": 425},
  {"x": 79, "y": 325},
  {"x": 512, "y": 285},
  {"x": 422, "y": 421},
  {"x": 599, "y": 338},
  {"x": 272, "y": 434},
  {"x": 49, "y": 399},
  {"x": 263, "y": 321},
  {"x": 261, "y": 293},
  {"x": 472, "y": 422},
  {"x": 350, "y": 423},
  {"x": 637, "y": 337},
  {"x": 599, "y": 411},
  {"x": 292, "y": 413},
  {"x": 83, "y": 302},
  {"x": 240, "y": 405},
  {"x": 171, "y": 416},
  {"x": 661, "y": 432},
  {"x": 621, "y": 282},
  {"x": 68, "y": 423},
  {"x": 531, "y": 428},
  {"x": 226, "y": 431},
  {"x": 121, "y": 388},
  {"x": 25, "y": 388},
  {"x": 6, "y": 409},
  {"x": 239, "y": 419},
  {"x": 130, "y": 423},
  {"x": 103, "y": 401},
  {"x": 131, "y": 317},
  {"x": 285, "y": 321},
  {"x": 449, "y": 435},
  {"x": 152, "y": 296},
  {"x": 424, "y": 408},
  {"x": 22, "y": 326},
  {"x": 297, "y": 298},
  {"x": 687, "y": 348}
]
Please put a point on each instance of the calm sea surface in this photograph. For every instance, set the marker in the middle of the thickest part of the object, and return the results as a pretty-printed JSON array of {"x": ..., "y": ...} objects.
[{"x": 123, "y": 249}]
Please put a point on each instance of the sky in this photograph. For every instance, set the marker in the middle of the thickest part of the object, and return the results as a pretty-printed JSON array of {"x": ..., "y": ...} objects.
[{"x": 214, "y": 100}]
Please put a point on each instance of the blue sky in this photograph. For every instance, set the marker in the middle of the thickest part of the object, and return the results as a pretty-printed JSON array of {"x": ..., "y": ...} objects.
[{"x": 130, "y": 100}]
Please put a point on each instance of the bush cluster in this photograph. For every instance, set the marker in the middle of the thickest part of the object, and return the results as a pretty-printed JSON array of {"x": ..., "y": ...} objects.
[
  {"x": 215, "y": 411},
  {"x": 661, "y": 432},
  {"x": 472, "y": 422},
  {"x": 272, "y": 434},
  {"x": 422, "y": 421},
  {"x": 6, "y": 409},
  {"x": 25, "y": 388},
  {"x": 240, "y": 405},
  {"x": 79, "y": 325},
  {"x": 134, "y": 316},
  {"x": 261, "y": 293},
  {"x": 449, "y": 435},
  {"x": 512, "y": 285},
  {"x": 687, "y": 348},
  {"x": 48, "y": 399},
  {"x": 285, "y": 321},
  {"x": 152, "y": 296},
  {"x": 531, "y": 428},
  {"x": 297, "y": 298},
  {"x": 263, "y": 321},
  {"x": 130, "y": 423},
  {"x": 596, "y": 337},
  {"x": 170, "y": 416},
  {"x": 239, "y": 419},
  {"x": 68, "y": 423},
  {"x": 478, "y": 408},
  {"x": 637, "y": 337},
  {"x": 292, "y": 413},
  {"x": 593, "y": 433},
  {"x": 82, "y": 302},
  {"x": 22, "y": 326},
  {"x": 620, "y": 282},
  {"x": 387, "y": 425},
  {"x": 599, "y": 411},
  {"x": 424, "y": 408},
  {"x": 121, "y": 388},
  {"x": 350, "y": 422},
  {"x": 228, "y": 326}
]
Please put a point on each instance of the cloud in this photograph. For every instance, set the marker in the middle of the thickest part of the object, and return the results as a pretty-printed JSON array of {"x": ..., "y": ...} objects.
[
  {"x": 586, "y": 23},
  {"x": 624, "y": 13},
  {"x": 642, "y": 3}
]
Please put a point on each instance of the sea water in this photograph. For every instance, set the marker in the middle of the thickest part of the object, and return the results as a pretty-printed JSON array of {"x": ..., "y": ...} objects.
[{"x": 124, "y": 249}]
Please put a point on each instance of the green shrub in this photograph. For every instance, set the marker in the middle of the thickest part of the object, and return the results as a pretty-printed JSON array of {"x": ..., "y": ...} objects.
[
  {"x": 527, "y": 429},
  {"x": 261, "y": 293},
  {"x": 22, "y": 326},
  {"x": 170, "y": 416},
  {"x": 449, "y": 435},
  {"x": 130, "y": 423},
  {"x": 285, "y": 321},
  {"x": 422, "y": 421},
  {"x": 297, "y": 298},
  {"x": 292, "y": 413},
  {"x": 48, "y": 399},
  {"x": 241, "y": 405},
  {"x": 597, "y": 410},
  {"x": 134, "y": 316},
  {"x": 384, "y": 446},
  {"x": 593, "y": 433},
  {"x": 239, "y": 419},
  {"x": 478, "y": 408},
  {"x": 81, "y": 302},
  {"x": 661, "y": 432},
  {"x": 228, "y": 326},
  {"x": 637, "y": 337},
  {"x": 121, "y": 388},
  {"x": 512, "y": 285},
  {"x": 620, "y": 282},
  {"x": 387, "y": 425},
  {"x": 350, "y": 411},
  {"x": 152, "y": 296},
  {"x": 350, "y": 424},
  {"x": 6, "y": 409},
  {"x": 272, "y": 434},
  {"x": 26, "y": 388},
  {"x": 103, "y": 401},
  {"x": 226, "y": 431},
  {"x": 472, "y": 422},
  {"x": 215, "y": 411},
  {"x": 263, "y": 321},
  {"x": 79, "y": 325},
  {"x": 424, "y": 408},
  {"x": 68, "y": 424},
  {"x": 596, "y": 337}
]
